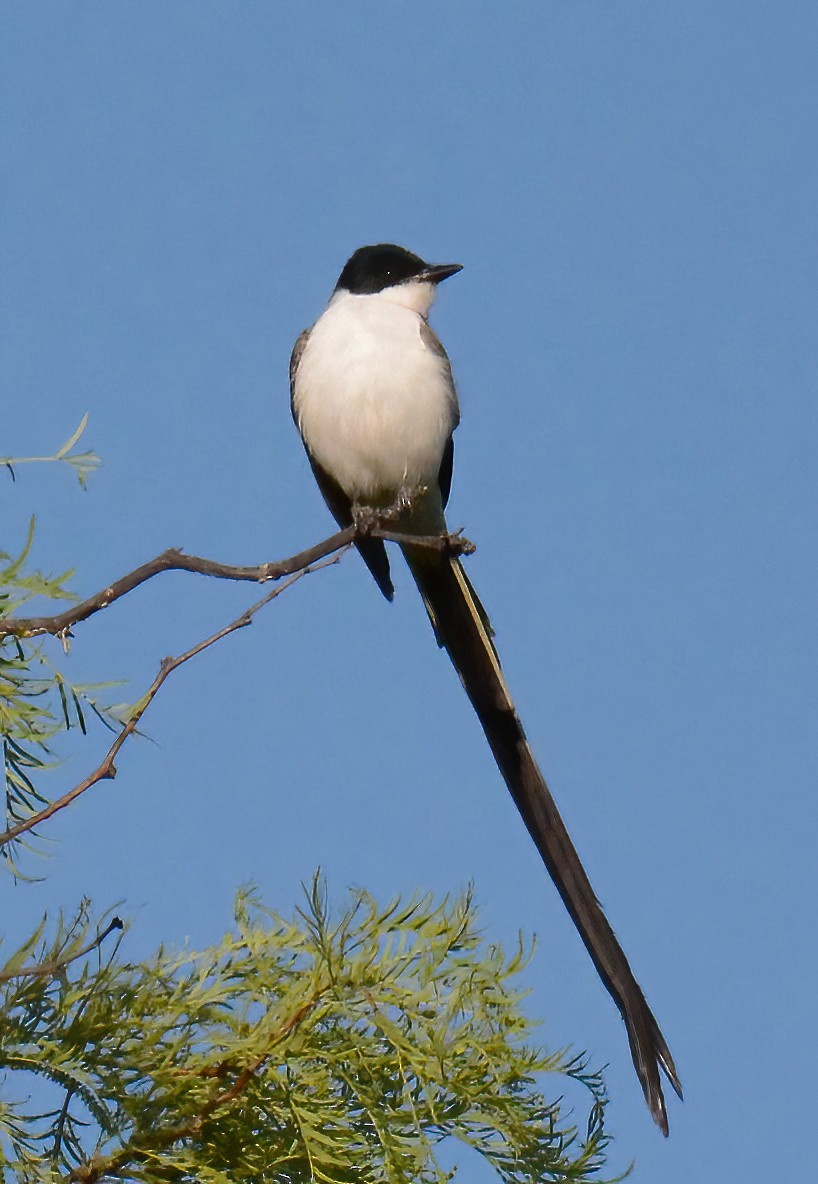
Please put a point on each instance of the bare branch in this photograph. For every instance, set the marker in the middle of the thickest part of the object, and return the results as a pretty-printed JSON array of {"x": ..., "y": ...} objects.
[
  {"x": 173, "y": 559},
  {"x": 293, "y": 568},
  {"x": 106, "y": 770},
  {"x": 170, "y": 560}
]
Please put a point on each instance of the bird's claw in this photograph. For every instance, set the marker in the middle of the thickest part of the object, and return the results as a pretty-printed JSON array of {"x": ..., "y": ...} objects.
[{"x": 365, "y": 519}]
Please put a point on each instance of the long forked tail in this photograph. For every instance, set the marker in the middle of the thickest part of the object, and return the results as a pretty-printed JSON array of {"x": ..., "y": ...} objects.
[{"x": 462, "y": 628}]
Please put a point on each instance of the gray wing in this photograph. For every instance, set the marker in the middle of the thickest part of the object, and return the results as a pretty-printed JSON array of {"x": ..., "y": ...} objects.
[
  {"x": 431, "y": 340},
  {"x": 295, "y": 358},
  {"x": 372, "y": 551}
]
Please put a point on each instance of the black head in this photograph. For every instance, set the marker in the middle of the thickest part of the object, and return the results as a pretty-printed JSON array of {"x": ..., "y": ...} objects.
[{"x": 371, "y": 269}]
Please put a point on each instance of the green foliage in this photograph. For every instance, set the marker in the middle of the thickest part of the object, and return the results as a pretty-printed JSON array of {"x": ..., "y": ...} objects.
[
  {"x": 83, "y": 463},
  {"x": 293, "y": 1051},
  {"x": 37, "y": 701}
]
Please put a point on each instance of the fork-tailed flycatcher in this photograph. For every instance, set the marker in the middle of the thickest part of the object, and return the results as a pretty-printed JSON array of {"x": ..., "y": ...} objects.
[{"x": 373, "y": 397}]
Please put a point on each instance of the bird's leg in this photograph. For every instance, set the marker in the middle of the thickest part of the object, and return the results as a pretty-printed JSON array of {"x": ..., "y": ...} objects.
[{"x": 366, "y": 518}]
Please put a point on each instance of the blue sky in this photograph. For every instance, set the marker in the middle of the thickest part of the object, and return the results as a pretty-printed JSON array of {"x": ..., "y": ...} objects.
[{"x": 632, "y": 189}]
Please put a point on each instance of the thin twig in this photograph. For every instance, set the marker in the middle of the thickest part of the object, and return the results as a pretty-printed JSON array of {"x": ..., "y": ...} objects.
[
  {"x": 106, "y": 770},
  {"x": 59, "y": 1129},
  {"x": 52, "y": 967}
]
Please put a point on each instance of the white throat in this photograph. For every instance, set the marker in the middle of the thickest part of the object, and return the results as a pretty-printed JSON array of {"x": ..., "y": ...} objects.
[{"x": 416, "y": 295}]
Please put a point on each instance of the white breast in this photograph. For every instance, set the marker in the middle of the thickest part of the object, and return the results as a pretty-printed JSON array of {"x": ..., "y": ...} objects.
[{"x": 373, "y": 402}]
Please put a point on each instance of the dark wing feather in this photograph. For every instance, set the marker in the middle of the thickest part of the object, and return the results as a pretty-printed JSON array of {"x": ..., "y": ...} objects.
[{"x": 444, "y": 478}]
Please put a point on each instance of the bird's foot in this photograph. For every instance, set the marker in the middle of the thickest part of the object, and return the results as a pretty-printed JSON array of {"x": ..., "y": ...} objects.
[
  {"x": 368, "y": 518},
  {"x": 365, "y": 519}
]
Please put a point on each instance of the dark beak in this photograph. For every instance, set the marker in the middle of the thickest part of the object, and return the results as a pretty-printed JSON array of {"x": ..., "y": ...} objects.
[{"x": 436, "y": 272}]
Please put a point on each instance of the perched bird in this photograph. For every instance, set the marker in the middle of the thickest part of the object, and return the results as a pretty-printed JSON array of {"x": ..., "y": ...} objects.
[{"x": 373, "y": 397}]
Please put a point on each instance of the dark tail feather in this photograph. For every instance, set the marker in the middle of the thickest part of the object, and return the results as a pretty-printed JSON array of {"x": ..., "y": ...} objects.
[{"x": 462, "y": 628}]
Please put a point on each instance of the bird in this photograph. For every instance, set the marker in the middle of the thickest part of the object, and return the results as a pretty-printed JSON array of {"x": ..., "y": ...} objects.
[{"x": 374, "y": 400}]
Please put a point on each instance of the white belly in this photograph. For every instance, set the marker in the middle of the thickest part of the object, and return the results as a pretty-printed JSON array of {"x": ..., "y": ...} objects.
[{"x": 373, "y": 403}]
